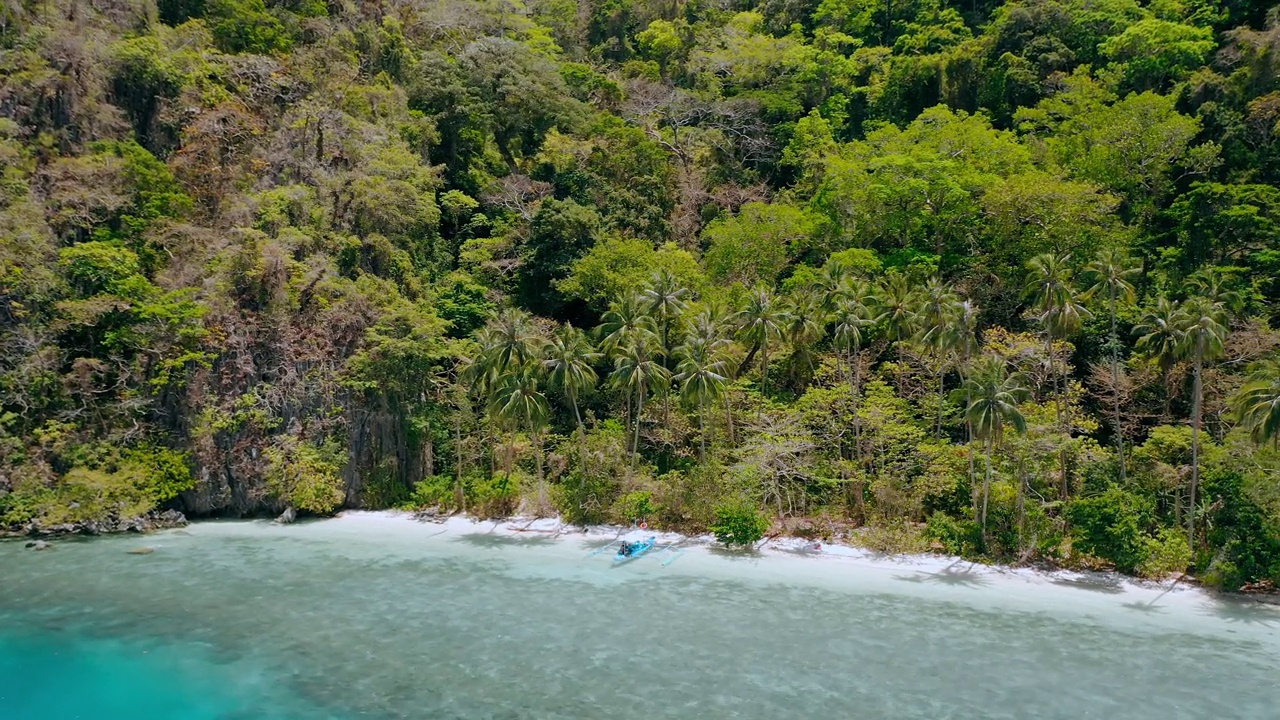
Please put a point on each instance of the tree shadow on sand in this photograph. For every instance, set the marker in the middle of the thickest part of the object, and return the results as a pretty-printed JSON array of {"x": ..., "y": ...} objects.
[
  {"x": 1243, "y": 610},
  {"x": 1108, "y": 585},
  {"x": 948, "y": 576},
  {"x": 748, "y": 555},
  {"x": 492, "y": 540}
]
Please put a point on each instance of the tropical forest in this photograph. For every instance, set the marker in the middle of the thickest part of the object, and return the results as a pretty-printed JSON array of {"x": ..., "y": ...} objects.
[{"x": 998, "y": 280}]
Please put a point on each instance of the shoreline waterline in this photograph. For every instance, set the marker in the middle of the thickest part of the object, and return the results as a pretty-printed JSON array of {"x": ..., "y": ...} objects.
[
  {"x": 381, "y": 615},
  {"x": 778, "y": 560}
]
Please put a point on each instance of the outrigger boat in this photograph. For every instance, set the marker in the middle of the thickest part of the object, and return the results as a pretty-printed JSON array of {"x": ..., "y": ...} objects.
[{"x": 627, "y": 551}]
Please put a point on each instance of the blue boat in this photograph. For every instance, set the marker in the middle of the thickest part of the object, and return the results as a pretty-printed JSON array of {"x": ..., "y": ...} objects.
[{"x": 630, "y": 551}]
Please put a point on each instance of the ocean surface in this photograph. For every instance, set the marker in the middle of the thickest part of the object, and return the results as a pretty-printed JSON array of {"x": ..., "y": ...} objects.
[{"x": 371, "y": 616}]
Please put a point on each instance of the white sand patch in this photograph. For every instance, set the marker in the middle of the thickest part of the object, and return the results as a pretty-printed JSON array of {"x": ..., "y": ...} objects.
[{"x": 546, "y": 549}]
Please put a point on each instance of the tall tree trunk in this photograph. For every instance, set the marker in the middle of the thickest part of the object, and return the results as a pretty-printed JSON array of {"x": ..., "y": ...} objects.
[
  {"x": 764, "y": 367},
  {"x": 702, "y": 429},
  {"x": 582, "y": 438},
  {"x": 635, "y": 444},
  {"x": 986, "y": 492},
  {"x": 537, "y": 458},
  {"x": 856, "y": 390},
  {"x": 1196, "y": 402},
  {"x": 938, "y": 432},
  {"x": 460, "y": 495},
  {"x": 1060, "y": 391},
  {"x": 1115, "y": 386}
]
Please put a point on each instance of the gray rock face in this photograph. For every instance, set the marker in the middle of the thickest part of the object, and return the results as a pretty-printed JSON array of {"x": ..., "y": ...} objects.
[{"x": 288, "y": 516}]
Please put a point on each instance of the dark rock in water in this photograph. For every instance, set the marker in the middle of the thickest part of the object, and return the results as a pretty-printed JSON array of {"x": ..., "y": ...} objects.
[
  {"x": 168, "y": 519},
  {"x": 39, "y": 545},
  {"x": 288, "y": 516},
  {"x": 112, "y": 524},
  {"x": 142, "y": 551}
]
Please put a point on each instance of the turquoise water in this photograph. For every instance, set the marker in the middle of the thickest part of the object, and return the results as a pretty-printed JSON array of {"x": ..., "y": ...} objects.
[{"x": 367, "y": 617}]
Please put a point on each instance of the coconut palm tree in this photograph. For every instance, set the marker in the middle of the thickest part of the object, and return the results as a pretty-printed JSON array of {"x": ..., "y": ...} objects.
[
  {"x": 1257, "y": 404},
  {"x": 507, "y": 343},
  {"x": 761, "y": 324},
  {"x": 854, "y": 314},
  {"x": 1056, "y": 305},
  {"x": 899, "y": 304},
  {"x": 701, "y": 374},
  {"x": 938, "y": 331},
  {"x": 1160, "y": 333},
  {"x": 1109, "y": 276},
  {"x": 637, "y": 370},
  {"x": 804, "y": 327},
  {"x": 568, "y": 364},
  {"x": 993, "y": 398},
  {"x": 1204, "y": 333},
  {"x": 665, "y": 299},
  {"x": 517, "y": 400},
  {"x": 626, "y": 319}
]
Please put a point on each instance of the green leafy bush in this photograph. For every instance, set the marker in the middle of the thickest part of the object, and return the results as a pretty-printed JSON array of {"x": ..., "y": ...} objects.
[
  {"x": 496, "y": 496},
  {"x": 1111, "y": 526},
  {"x": 634, "y": 506},
  {"x": 739, "y": 523},
  {"x": 245, "y": 26},
  {"x": 954, "y": 536},
  {"x": 1168, "y": 553},
  {"x": 305, "y": 475},
  {"x": 433, "y": 491}
]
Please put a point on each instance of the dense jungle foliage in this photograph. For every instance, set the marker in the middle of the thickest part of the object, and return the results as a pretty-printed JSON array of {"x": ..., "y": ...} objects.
[{"x": 991, "y": 278}]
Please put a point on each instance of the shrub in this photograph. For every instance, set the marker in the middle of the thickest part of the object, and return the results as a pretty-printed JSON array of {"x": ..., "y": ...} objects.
[
  {"x": 305, "y": 475},
  {"x": 1110, "y": 526},
  {"x": 496, "y": 496},
  {"x": 1168, "y": 553},
  {"x": 739, "y": 523},
  {"x": 634, "y": 506},
  {"x": 955, "y": 537},
  {"x": 433, "y": 491}
]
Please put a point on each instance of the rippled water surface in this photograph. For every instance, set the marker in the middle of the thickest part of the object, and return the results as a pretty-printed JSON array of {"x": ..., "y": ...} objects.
[{"x": 370, "y": 617}]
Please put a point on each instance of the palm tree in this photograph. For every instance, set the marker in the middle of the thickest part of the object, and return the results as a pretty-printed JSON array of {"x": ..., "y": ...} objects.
[
  {"x": 899, "y": 304},
  {"x": 507, "y": 343},
  {"x": 664, "y": 300},
  {"x": 701, "y": 374},
  {"x": 1257, "y": 404},
  {"x": 626, "y": 319},
  {"x": 854, "y": 313},
  {"x": 568, "y": 361},
  {"x": 938, "y": 331},
  {"x": 1108, "y": 275},
  {"x": 517, "y": 400},
  {"x": 1057, "y": 307},
  {"x": 1204, "y": 333},
  {"x": 1160, "y": 334},
  {"x": 638, "y": 369},
  {"x": 804, "y": 326},
  {"x": 993, "y": 397},
  {"x": 760, "y": 323}
]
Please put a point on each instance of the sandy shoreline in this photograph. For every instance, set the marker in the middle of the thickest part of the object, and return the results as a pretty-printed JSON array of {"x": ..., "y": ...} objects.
[{"x": 798, "y": 555}]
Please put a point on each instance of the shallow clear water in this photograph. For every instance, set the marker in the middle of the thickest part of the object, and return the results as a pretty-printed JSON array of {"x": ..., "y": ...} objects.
[{"x": 378, "y": 618}]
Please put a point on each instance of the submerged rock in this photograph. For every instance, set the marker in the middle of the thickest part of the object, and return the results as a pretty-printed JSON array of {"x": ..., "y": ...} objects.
[
  {"x": 288, "y": 516},
  {"x": 142, "y": 551},
  {"x": 39, "y": 545}
]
